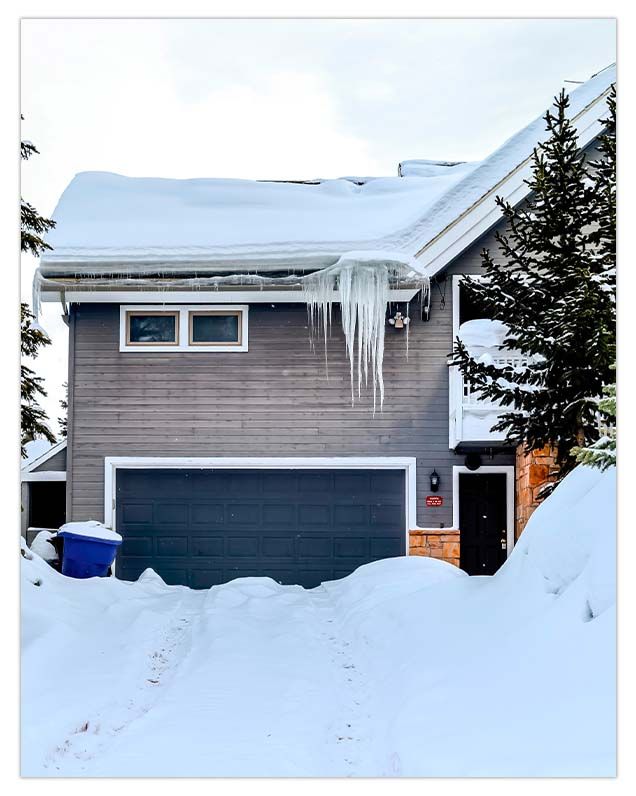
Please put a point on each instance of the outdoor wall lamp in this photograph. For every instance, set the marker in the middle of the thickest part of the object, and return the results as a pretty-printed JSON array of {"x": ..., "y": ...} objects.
[
  {"x": 434, "y": 481},
  {"x": 399, "y": 321}
]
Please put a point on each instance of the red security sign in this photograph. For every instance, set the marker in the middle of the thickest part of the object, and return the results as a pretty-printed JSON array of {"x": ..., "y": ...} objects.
[{"x": 434, "y": 500}]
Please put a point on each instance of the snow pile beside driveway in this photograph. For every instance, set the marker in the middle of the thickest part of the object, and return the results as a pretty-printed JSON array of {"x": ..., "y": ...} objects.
[{"x": 407, "y": 667}]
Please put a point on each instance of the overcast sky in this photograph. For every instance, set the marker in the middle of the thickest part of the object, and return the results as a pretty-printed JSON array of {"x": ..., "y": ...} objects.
[{"x": 279, "y": 99}]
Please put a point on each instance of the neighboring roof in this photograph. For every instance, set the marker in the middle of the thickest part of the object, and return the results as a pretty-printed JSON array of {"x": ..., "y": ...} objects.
[
  {"x": 40, "y": 451},
  {"x": 109, "y": 222}
]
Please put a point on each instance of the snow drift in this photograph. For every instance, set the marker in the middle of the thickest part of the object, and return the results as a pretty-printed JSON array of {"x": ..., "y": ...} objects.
[{"x": 408, "y": 667}]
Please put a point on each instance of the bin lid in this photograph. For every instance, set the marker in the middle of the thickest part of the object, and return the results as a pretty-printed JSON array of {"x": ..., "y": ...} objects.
[{"x": 90, "y": 529}]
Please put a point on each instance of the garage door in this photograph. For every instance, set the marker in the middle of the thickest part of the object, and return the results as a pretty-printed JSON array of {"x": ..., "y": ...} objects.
[{"x": 203, "y": 527}]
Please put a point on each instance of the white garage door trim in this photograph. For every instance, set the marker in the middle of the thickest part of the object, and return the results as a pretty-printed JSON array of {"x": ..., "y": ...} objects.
[{"x": 406, "y": 463}]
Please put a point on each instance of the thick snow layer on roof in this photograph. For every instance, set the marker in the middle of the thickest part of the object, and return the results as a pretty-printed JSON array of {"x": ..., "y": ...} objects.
[{"x": 108, "y": 218}]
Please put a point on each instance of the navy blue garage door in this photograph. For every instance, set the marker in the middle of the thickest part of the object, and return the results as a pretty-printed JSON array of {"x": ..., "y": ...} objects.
[{"x": 203, "y": 527}]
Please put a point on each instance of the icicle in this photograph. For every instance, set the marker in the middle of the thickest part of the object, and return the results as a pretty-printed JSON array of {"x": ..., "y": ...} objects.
[{"x": 364, "y": 294}]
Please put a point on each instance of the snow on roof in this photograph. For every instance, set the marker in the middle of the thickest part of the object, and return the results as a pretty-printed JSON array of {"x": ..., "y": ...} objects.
[
  {"x": 108, "y": 218},
  {"x": 104, "y": 216}
]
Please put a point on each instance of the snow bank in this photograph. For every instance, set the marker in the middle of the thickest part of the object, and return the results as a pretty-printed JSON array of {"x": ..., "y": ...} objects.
[
  {"x": 408, "y": 667},
  {"x": 91, "y": 528},
  {"x": 42, "y": 547}
]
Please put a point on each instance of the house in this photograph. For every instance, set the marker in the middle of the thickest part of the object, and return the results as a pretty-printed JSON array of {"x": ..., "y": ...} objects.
[
  {"x": 226, "y": 431},
  {"x": 43, "y": 487}
]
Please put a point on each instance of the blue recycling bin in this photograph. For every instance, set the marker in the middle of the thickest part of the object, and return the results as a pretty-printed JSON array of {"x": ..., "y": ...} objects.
[{"x": 87, "y": 556}]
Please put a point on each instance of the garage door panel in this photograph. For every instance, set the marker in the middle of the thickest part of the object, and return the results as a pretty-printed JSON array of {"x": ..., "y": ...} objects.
[
  {"x": 137, "y": 546},
  {"x": 172, "y": 513},
  {"x": 243, "y": 514},
  {"x": 206, "y": 578},
  {"x": 280, "y": 515},
  {"x": 315, "y": 546},
  {"x": 242, "y": 546},
  {"x": 295, "y": 526},
  {"x": 386, "y": 515},
  {"x": 137, "y": 513},
  {"x": 173, "y": 576},
  {"x": 210, "y": 514},
  {"x": 314, "y": 515},
  {"x": 349, "y": 516},
  {"x": 387, "y": 482},
  {"x": 384, "y": 547},
  {"x": 351, "y": 546},
  {"x": 172, "y": 546},
  {"x": 278, "y": 547},
  {"x": 206, "y": 546},
  {"x": 310, "y": 483}
]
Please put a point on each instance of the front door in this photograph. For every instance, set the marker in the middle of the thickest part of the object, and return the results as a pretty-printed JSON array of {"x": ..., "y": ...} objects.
[{"x": 482, "y": 522}]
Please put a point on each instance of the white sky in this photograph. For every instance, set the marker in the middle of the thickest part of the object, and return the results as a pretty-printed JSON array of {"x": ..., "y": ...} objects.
[{"x": 279, "y": 99}]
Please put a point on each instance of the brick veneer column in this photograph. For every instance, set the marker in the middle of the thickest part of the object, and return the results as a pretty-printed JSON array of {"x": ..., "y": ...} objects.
[
  {"x": 533, "y": 470},
  {"x": 441, "y": 543}
]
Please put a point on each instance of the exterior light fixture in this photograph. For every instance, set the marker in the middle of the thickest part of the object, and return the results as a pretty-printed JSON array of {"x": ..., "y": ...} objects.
[
  {"x": 399, "y": 321},
  {"x": 434, "y": 481}
]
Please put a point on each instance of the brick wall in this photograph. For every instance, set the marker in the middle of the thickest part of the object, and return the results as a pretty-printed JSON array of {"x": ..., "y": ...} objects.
[
  {"x": 439, "y": 543},
  {"x": 533, "y": 470}
]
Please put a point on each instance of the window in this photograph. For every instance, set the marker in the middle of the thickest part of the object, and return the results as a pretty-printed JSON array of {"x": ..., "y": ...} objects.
[
  {"x": 152, "y": 328},
  {"x": 197, "y": 327},
  {"x": 215, "y": 327}
]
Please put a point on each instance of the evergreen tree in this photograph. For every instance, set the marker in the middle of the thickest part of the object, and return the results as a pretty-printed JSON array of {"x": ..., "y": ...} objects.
[
  {"x": 62, "y": 421},
  {"x": 554, "y": 288},
  {"x": 32, "y": 417},
  {"x": 602, "y": 453}
]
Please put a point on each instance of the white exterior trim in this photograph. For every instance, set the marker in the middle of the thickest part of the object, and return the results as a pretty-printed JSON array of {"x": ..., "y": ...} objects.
[
  {"x": 183, "y": 328},
  {"x": 44, "y": 457},
  {"x": 509, "y": 471},
  {"x": 45, "y": 475},
  {"x": 437, "y": 253},
  {"x": 203, "y": 296},
  {"x": 406, "y": 463}
]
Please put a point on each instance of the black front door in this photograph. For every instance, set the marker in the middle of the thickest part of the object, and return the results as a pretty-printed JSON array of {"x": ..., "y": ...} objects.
[{"x": 482, "y": 522}]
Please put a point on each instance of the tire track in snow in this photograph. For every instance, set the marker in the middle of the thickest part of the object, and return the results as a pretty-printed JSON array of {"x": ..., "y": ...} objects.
[{"x": 91, "y": 737}]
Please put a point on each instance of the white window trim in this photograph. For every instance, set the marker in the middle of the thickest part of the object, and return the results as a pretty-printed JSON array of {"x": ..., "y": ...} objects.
[
  {"x": 184, "y": 329},
  {"x": 406, "y": 463},
  {"x": 509, "y": 471}
]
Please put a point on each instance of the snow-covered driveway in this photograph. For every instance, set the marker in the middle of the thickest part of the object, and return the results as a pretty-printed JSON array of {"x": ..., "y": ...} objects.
[{"x": 407, "y": 667}]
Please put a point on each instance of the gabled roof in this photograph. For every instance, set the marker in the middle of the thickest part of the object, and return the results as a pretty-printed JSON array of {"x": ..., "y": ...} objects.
[
  {"x": 32, "y": 464},
  {"x": 110, "y": 223}
]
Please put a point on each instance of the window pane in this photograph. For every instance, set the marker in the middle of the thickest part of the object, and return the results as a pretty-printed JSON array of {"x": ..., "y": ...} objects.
[
  {"x": 215, "y": 328},
  {"x": 152, "y": 328}
]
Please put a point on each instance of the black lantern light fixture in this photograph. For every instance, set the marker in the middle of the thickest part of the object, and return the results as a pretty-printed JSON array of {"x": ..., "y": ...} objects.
[{"x": 434, "y": 481}]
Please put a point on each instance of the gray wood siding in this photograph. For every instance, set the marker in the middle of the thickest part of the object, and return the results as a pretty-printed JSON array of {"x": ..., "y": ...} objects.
[
  {"x": 56, "y": 463},
  {"x": 274, "y": 400}
]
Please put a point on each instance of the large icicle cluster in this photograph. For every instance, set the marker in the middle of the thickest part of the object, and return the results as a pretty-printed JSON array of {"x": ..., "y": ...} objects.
[
  {"x": 363, "y": 296},
  {"x": 361, "y": 285},
  {"x": 359, "y": 281}
]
